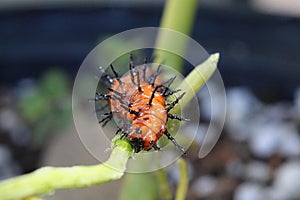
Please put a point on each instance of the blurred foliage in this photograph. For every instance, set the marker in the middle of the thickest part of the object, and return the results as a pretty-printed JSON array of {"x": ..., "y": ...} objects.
[
  {"x": 140, "y": 186},
  {"x": 47, "y": 107},
  {"x": 121, "y": 64}
]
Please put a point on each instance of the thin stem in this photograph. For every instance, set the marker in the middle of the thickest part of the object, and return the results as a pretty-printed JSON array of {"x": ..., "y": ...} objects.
[
  {"x": 32, "y": 198},
  {"x": 183, "y": 180},
  {"x": 178, "y": 16}
]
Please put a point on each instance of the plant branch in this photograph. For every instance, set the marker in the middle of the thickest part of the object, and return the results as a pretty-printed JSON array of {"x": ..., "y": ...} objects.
[
  {"x": 164, "y": 187},
  {"x": 178, "y": 16},
  {"x": 48, "y": 179},
  {"x": 183, "y": 180}
]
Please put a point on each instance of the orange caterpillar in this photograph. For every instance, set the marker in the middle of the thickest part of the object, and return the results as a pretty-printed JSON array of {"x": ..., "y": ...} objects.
[{"x": 139, "y": 101}]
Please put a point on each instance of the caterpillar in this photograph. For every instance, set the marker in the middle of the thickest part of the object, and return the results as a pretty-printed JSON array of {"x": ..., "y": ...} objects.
[{"x": 139, "y": 100}]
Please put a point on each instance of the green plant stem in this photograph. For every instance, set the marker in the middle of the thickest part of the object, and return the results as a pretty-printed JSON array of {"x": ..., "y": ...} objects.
[
  {"x": 139, "y": 186},
  {"x": 183, "y": 180},
  {"x": 32, "y": 198},
  {"x": 196, "y": 79},
  {"x": 48, "y": 179},
  {"x": 179, "y": 16},
  {"x": 164, "y": 187}
]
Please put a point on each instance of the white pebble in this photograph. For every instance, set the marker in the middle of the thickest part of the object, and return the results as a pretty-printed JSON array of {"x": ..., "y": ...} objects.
[
  {"x": 278, "y": 111},
  {"x": 204, "y": 186},
  {"x": 287, "y": 180},
  {"x": 249, "y": 191},
  {"x": 290, "y": 142},
  {"x": 240, "y": 103},
  {"x": 257, "y": 171},
  {"x": 265, "y": 139}
]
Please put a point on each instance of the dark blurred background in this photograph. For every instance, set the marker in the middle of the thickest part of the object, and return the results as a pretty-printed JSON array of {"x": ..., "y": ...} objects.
[
  {"x": 42, "y": 45},
  {"x": 252, "y": 44}
]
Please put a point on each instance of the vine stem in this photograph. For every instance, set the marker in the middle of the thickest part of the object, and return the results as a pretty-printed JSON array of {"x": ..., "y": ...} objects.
[
  {"x": 32, "y": 198},
  {"x": 177, "y": 16},
  {"x": 183, "y": 180},
  {"x": 164, "y": 187},
  {"x": 48, "y": 179}
]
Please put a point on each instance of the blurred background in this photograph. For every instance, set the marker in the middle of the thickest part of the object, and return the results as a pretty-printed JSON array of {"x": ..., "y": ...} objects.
[{"x": 42, "y": 44}]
